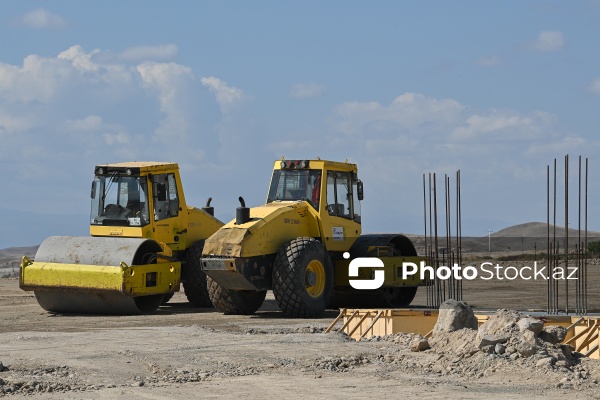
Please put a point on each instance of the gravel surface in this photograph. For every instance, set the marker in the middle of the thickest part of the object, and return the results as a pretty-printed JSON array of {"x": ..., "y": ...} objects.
[{"x": 184, "y": 352}]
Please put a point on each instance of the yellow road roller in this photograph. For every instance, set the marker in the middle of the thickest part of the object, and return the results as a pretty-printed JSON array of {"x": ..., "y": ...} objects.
[
  {"x": 300, "y": 245},
  {"x": 145, "y": 241}
]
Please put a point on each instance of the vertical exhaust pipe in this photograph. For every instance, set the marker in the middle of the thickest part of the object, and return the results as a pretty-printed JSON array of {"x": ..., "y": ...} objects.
[
  {"x": 242, "y": 213},
  {"x": 208, "y": 209}
]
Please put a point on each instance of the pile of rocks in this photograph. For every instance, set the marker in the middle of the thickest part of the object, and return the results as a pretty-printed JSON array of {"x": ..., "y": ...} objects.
[
  {"x": 508, "y": 334},
  {"x": 509, "y": 344}
]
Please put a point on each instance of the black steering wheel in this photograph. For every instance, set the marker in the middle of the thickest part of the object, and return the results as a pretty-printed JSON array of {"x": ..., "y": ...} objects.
[{"x": 113, "y": 210}]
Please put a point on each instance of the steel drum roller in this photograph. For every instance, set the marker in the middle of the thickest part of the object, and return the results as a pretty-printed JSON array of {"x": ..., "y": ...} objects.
[{"x": 94, "y": 275}]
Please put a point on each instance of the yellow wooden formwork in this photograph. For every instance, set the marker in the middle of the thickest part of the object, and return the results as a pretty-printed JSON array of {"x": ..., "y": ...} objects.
[{"x": 583, "y": 332}]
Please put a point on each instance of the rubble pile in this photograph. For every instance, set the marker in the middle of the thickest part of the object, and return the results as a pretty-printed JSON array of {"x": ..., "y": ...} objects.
[
  {"x": 507, "y": 340},
  {"x": 508, "y": 334}
]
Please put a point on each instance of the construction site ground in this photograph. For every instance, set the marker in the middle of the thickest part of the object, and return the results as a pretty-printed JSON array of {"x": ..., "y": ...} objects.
[{"x": 183, "y": 353}]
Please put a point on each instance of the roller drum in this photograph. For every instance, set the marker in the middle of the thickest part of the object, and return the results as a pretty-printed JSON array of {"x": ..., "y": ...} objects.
[{"x": 107, "y": 254}]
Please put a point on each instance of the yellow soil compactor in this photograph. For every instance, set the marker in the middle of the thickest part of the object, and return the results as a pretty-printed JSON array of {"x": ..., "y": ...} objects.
[
  {"x": 297, "y": 244},
  {"x": 145, "y": 242}
]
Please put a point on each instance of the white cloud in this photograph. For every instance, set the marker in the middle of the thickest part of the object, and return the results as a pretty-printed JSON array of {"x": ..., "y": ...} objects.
[
  {"x": 72, "y": 110},
  {"x": 87, "y": 124},
  {"x": 226, "y": 95},
  {"x": 167, "y": 52},
  {"x": 116, "y": 138},
  {"x": 407, "y": 112},
  {"x": 170, "y": 82},
  {"x": 35, "y": 81},
  {"x": 79, "y": 59},
  {"x": 41, "y": 19},
  {"x": 594, "y": 87},
  {"x": 446, "y": 120},
  {"x": 305, "y": 90},
  {"x": 157, "y": 53},
  {"x": 12, "y": 123},
  {"x": 549, "y": 41},
  {"x": 502, "y": 155},
  {"x": 502, "y": 125},
  {"x": 560, "y": 146},
  {"x": 489, "y": 61}
]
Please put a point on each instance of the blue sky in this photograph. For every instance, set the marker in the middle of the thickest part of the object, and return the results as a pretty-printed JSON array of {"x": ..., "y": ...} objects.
[{"x": 495, "y": 89}]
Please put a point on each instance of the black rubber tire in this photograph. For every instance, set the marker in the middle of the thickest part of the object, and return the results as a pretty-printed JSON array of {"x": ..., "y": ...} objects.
[
  {"x": 289, "y": 278},
  {"x": 167, "y": 297},
  {"x": 399, "y": 297},
  {"x": 194, "y": 278},
  {"x": 235, "y": 302}
]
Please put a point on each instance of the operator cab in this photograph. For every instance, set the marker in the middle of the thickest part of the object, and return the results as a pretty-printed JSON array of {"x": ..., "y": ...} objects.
[
  {"x": 296, "y": 181},
  {"x": 119, "y": 200},
  {"x": 296, "y": 185},
  {"x": 123, "y": 195}
]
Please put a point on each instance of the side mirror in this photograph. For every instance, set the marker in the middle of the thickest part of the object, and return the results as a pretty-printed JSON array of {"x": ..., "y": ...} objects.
[
  {"x": 93, "y": 193},
  {"x": 360, "y": 190}
]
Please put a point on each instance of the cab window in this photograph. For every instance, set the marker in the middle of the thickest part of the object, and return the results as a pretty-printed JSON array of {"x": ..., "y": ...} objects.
[
  {"x": 339, "y": 194},
  {"x": 296, "y": 185},
  {"x": 166, "y": 200}
]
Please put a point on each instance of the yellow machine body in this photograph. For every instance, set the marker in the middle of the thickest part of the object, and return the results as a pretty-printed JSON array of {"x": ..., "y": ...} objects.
[
  {"x": 270, "y": 225},
  {"x": 240, "y": 255},
  {"x": 139, "y": 280},
  {"x": 134, "y": 255},
  {"x": 178, "y": 232}
]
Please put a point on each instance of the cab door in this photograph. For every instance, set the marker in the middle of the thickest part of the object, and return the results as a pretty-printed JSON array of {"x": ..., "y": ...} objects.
[
  {"x": 166, "y": 209},
  {"x": 340, "y": 213}
]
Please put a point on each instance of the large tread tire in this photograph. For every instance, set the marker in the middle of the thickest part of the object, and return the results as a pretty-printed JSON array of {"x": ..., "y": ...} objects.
[
  {"x": 194, "y": 278},
  {"x": 297, "y": 294},
  {"x": 235, "y": 302}
]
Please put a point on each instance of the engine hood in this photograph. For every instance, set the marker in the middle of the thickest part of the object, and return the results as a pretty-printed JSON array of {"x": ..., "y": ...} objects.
[{"x": 270, "y": 227}]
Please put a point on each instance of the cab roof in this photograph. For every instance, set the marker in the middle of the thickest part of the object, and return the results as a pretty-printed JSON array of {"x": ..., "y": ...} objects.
[
  {"x": 136, "y": 167},
  {"x": 315, "y": 164}
]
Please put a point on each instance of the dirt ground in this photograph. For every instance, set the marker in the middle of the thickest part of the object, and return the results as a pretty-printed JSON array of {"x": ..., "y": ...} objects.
[{"x": 182, "y": 352}]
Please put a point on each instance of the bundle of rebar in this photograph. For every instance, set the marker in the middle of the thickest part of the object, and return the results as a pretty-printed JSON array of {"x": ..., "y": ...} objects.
[
  {"x": 438, "y": 290},
  {"x": 579, "y": 254}
]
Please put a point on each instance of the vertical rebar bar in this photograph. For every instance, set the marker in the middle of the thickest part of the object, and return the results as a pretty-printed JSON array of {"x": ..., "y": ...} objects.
[
  {"x": 548, "y": 234},
  {"x": 578, "y": 286},
  {"x": 431, "y": 255},
  {"x": 437, "y": 253},
  {"x": 438, "y": 290},
  {"x": 458, "y": 231},
  {"x": 451, "y": 280},
  {"x": 566, "y": 231},
  {"x": 554, "y": 260},
  {"x": 585, "y": 286},
  {"x": 425, "y": 232}
]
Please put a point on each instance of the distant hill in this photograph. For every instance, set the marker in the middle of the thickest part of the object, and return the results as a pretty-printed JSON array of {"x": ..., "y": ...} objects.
[
  {"x": 539, "y": 229},
  {"x": 527, "y": 236},
  {"x": 10, "y": 259},
  {"x": 15, "y": 253},
  {"x": 530, "y": 236}
]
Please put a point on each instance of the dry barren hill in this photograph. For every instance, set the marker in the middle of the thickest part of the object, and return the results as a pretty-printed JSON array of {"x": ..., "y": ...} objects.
[
  {"x": 539, "y": 229},
  {"x": 10, "y": 259},
  {"x": 527, "y": 237},
  {"x": 15, "y": 253}
]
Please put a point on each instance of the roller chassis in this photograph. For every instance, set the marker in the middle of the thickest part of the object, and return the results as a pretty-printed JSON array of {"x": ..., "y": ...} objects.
[{"x": 308, "y": 201}]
